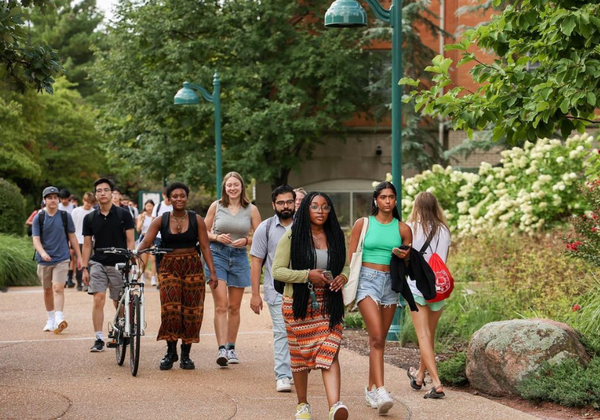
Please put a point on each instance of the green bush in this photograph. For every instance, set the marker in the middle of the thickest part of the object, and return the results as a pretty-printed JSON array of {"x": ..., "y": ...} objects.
[
  {"x": 453, "y": 371},
  {"x": 567, "y": 383},
  {"x": 353, "y": 320},
  {"x": 16, "y": 265},
  {"x": 12, "y": 209},
  {"x": 585, "y": 316}
]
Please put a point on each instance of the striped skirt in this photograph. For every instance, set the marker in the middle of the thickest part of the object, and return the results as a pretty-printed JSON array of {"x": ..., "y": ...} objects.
[
  {"x": 312, "y": 344},
  {"x": 182, "y": 288}
]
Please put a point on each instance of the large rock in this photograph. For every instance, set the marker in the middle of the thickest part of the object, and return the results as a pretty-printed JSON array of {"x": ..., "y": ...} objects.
[{"x": 502, "y": 354}]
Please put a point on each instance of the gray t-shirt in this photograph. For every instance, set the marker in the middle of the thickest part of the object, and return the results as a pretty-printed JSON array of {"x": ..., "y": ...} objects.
[
  {"x": 54, "y": 238},
  {"x": 259, "y": 250}
]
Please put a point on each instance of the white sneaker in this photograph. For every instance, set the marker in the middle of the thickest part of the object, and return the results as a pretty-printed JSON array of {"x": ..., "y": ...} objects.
[
  {"x": 384, "y": 401},
  {"x": 338, "y": 411},
  {"x": 303, "y": 412},
  {"x": 153, "y": 281},
  {"x": 232, "y": 358},
  {"x": 371, "y": 397},
  {"x": 283, "y": 385},
  {"x": 222, "y": 357},
  {"x": 49, "y": 325},
  {"x": 61, "y": 324}
]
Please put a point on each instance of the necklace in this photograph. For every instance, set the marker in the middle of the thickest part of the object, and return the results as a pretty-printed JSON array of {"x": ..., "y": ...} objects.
[
  {"x": 318, "y": 241},
  {"x": 179, "y": 220}
]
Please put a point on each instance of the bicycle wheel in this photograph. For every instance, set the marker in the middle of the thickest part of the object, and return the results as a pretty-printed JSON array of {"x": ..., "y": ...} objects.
[
  {"x": 121, "y": 348},
  {"x": 134, "y": 336}
]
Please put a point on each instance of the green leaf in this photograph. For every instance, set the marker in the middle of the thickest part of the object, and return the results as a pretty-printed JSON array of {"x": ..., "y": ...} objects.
[
  {"x": 409, "y": 82},
  {"x": 567, "y": 25},
  {"x": 591, "y": 98}
]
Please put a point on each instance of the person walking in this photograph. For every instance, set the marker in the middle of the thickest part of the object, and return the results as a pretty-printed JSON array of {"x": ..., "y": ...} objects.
[
  {"x": 427, "y": 222},
  {"x": 53, "y": 230},
  {"x": 229, "y": 221},
  {"x": 300, "y": 194},
  {"x": 108, "y": 226},
  {"x": 311, "y": 261},
  {"x": 264, "y": 244},
  {"x": 181, "y": 276},
  {"x": 375, "y": 298},
  {"x": 78, "y": 215},
  {"x": 163, "y": 207},
  {"x": 143, "y": 223}
]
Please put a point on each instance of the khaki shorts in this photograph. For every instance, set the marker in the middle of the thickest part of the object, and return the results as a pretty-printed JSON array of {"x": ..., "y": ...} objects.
[
  {"x": 55, "y": 273},
  {"x": 104, "y": 277}
]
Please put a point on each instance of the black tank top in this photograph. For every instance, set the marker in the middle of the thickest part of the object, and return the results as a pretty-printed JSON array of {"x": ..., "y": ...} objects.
[{"x": 187, "y": 239}]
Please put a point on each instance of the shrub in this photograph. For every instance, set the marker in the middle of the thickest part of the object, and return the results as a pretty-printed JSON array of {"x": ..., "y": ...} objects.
[
  {"x": 453, "y": 371},
  {"x": 12, "y": 209},
  {"x": 16, "y": 265},
  {"x": 353, "y": 320},
  {"x": 585, "y": 316}
]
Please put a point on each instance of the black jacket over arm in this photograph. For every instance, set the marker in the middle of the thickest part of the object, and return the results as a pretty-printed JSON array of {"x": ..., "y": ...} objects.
[{"x": 418, "y": 270}]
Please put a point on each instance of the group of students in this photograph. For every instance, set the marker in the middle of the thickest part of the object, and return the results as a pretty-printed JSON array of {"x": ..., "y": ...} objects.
[{"x": 304, "y": 254}]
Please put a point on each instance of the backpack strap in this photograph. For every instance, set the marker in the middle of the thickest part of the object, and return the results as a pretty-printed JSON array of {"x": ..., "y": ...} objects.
[
  {"x": 65, "y": 222},
  {"x": 41, "y": 220},
  {"x": 426, "y": 244},
  {"x": 268, "y": 234}
]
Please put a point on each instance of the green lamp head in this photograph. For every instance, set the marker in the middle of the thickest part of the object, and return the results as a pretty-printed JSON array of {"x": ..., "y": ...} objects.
[
  {"x": 186, "y": 96},
  {"x": 345, "y": 14}
]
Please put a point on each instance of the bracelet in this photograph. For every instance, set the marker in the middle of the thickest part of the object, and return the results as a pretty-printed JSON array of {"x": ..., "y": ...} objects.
[
  {"x": 307, "y": 274},
  {"x": 85, "y": 268},
  {"x": 246, "y": 238}
]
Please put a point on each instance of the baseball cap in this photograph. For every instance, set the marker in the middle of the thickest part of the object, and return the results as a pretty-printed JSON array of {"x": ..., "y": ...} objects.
[{"x": 49, "y": 190}]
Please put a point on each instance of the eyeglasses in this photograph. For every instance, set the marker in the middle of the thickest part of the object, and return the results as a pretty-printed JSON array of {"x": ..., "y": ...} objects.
[
  {"x": 324, "y": 209},
  {"x": 105, "y": 191},
  {"x": 288, "y": 203}
]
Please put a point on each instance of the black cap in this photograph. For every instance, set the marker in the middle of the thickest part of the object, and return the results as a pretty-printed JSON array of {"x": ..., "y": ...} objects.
[{"x": 48, "y": 191}]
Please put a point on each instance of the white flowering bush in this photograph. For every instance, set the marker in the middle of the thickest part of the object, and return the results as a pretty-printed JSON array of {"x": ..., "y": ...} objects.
[{"x": 534, "y": 188}]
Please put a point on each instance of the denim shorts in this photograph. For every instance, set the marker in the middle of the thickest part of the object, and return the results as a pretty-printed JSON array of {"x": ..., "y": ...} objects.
[
  {"x": 377, "y": 285},
  {"x": 231, "y": 265}
]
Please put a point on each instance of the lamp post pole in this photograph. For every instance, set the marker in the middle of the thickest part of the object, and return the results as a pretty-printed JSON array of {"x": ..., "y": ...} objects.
[
  {"x": 187, "y": 96},
  {"x": 349, "y": 13}
]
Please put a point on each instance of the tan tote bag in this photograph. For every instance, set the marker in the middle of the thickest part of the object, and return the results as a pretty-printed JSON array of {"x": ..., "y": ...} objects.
[{"x": 349, "y": 290}]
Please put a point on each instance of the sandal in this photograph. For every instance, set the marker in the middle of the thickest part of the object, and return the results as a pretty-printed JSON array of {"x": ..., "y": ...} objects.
[
  {"x": 413, "y": 380},
  {"x": 433, "y": 394}
]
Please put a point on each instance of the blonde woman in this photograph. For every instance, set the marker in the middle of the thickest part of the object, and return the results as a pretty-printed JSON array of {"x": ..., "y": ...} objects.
[
  {"x": 229, "y": 221},
  {"x": 427, "y": 221}
]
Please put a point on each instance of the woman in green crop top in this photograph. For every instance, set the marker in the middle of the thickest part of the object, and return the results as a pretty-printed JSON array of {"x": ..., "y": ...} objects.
[{"x": 375, "y": 298}]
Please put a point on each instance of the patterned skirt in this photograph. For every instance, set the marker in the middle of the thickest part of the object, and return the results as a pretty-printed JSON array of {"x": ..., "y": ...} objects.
[
  {"x": 312, "y": 344},
  {"x": 182, "y": 289}
]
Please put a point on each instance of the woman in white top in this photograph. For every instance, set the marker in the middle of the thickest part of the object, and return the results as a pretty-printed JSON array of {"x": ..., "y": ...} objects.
[
  {"x": 427, "y": 220},
  {"x": 143, "y": 223}
]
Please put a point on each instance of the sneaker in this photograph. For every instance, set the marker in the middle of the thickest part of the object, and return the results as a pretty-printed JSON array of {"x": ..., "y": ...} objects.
[
  {"x": 85, "y": 288},
  {"x": 222, "y": 357},
  {"x": 153, "y": 281},
  {"x": 371, "y": 397},
  {"x": 303, "y": 412},
  {"x": 384, "y": 401},
  {"x": 60, "y": 326},
  {"x": 338, "y": 411},
  {"x": 49, "y": 325},
  {"x": 98, "y": 346},
  {"x": 283, "y": 385},
  {"x": 232, "y": 358}
]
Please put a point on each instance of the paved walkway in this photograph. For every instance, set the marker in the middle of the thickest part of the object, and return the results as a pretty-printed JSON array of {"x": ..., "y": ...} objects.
[{"x": 47, "y": 376}]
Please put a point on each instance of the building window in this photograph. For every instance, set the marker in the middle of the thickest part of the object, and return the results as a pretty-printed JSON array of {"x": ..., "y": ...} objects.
[{"x": 350, "y": 205}]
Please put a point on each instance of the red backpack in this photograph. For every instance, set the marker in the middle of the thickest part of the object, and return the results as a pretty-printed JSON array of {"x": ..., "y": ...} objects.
[{"x": 444, "y": 283}]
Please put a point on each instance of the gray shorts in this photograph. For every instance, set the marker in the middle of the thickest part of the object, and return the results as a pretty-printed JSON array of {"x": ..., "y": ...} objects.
[{"x": 104, "y": 277}]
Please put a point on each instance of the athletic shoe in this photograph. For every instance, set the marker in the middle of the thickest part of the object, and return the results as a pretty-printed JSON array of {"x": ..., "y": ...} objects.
[
  {"x": 98, "y": 346},
  {"x": 338, "y": 411},
  {"x": 222, "y": 357},
  {"x": 153, "y": 281},
  {"x": 232, "y": 358},
  {"x": 371, "y": 397},
  {"x": 283, "y": 385},
  {"x": 60, "y": 327},
  {"x": 384, "y": 401},
  {"x": 303, "y": 412},
  {"x": 85, "y": 288},
  {"x": 49, "y": 325}
]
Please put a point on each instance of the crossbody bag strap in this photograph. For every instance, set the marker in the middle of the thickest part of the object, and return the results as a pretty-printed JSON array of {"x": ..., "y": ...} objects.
[
  {"x": 363, "y": 233},
  {"x": 426, "y": 244}
]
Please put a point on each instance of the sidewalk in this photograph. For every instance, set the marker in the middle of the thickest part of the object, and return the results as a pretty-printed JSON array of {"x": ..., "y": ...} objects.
[{"x": 47, "y": 376}]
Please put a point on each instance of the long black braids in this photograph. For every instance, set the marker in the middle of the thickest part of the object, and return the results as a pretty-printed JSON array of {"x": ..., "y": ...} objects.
[{"x": 303, "y": 257}]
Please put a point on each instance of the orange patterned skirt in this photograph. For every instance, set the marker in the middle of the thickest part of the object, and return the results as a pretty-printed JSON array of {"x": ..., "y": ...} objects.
[
  {"x": 312, "y": 344},
  {"x": 182, "y": 288}
]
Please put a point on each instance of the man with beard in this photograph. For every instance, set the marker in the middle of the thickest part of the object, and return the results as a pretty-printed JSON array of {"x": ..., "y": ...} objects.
[{"x": 264, "y": 245}]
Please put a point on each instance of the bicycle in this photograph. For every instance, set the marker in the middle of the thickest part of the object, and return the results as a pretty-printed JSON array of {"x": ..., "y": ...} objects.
[{"x": 129, "y": 323}]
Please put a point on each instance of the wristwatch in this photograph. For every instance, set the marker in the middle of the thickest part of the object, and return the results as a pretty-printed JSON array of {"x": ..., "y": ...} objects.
[{"x": 85, "y": 268}]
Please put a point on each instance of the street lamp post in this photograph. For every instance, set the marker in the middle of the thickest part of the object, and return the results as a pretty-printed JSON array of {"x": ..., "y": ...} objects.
[
  {"x": 348, "y": 14},
  {"x": 187, "y": 96}
]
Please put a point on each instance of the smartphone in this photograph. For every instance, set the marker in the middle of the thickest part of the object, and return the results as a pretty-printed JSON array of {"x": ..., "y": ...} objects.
[
  {"x": 328, "y": 275},
  {"x": 405, "y": 247}
]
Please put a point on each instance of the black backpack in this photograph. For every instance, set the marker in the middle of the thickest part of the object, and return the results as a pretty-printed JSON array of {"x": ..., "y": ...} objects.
[{"x": 42, "y": 219}]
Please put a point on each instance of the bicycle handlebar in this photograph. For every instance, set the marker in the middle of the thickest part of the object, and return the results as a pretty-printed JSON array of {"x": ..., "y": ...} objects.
[{"x": 133, "y": 252}]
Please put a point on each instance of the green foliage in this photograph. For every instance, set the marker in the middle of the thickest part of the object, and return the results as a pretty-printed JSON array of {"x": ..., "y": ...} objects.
[
  {"x": 16, "y": 265},
  {"x": 453, "y": 371},
  {"x": 353, "y": 320},
  {"x": 585, "y": 316},
  {"x": 567, "y": 383},
  {"x": 584, "y": 242},
  {"x": 561, "y": 37},
  {"x": 12, "y": 209}
]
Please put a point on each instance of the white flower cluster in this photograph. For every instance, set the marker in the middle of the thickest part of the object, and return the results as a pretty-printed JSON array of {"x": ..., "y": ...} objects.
[{"x": 533, "y": 188}]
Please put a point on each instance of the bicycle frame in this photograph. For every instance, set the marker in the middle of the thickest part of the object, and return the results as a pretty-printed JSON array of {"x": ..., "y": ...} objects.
[{"x": 130, "y": 288}]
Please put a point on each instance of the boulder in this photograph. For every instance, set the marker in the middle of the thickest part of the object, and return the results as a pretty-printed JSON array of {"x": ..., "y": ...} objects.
[{"x": 502, "y": 354}]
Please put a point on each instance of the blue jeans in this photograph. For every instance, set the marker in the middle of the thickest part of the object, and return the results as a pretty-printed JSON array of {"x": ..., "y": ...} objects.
[
  {"x": 281, "y": 353},
  {"x": 231, "y": 265}
]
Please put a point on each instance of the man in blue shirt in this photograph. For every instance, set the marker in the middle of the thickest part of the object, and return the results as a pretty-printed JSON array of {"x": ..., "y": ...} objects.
[
  {"x": 264, "y": 244},
  {"x": 52, "y": 230}
]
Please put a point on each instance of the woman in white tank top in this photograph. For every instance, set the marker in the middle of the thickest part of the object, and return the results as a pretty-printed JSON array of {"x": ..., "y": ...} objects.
[{"x": 143, "y": 223}]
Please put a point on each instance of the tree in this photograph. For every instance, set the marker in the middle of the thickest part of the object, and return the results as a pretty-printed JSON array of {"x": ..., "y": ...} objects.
[
  {"x": 545, "y": 79},
  {"x": 20, "y": 62}
]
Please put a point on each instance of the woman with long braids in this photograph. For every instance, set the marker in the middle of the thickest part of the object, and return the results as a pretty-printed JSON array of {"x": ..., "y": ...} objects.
[
  {"x": 375, "y": 298},
  {"x": 311, "y": 261}
]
